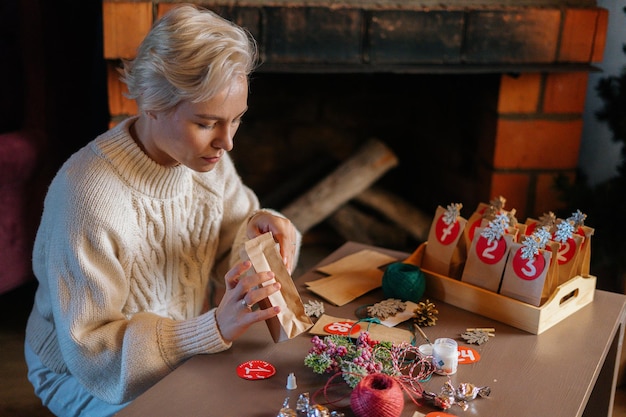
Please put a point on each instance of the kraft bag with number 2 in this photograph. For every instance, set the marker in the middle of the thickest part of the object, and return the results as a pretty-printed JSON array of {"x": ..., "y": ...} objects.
[
  {"x": 292, "y": 320},
  {"x": 442, "y": 254},
  {"x": 524, "y": 279},
  {"x": 485, "y": 261}
]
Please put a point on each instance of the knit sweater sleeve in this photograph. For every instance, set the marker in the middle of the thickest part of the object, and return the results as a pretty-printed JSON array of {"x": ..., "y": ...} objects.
[{"x": 87, "y": 261}]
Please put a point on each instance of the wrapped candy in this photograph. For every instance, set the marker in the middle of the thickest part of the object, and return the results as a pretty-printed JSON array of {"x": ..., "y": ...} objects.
[
  {"x": 305, "y": 409},
  {"x": 459, "y": 396}
]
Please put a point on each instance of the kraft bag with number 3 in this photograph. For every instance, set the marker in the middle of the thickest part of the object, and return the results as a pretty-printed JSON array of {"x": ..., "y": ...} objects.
[
  {"x": 443, "y": 255},
  {"x": 292, "y": 320},
  {"x": 524, "y": 279},
  {"x": 486, "y": 261}
]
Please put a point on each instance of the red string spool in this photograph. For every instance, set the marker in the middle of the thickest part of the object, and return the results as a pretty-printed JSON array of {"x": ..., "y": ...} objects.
[{"x": 377, "y": 395}]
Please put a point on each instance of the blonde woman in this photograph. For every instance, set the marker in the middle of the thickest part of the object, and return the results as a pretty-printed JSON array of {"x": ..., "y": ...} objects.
[{"x": 137, "y": 223}]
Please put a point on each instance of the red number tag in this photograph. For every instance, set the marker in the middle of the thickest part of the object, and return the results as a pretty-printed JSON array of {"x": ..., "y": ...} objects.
[
  {"x": 528, "y": 269},
  {"x": 566, "y": 251},
  {"x": 342, "y": 328},
  {"x": 255, "y": 369},
  {"x": 490, "y": 253},
  {"x": 446, "y": 233},
  {"x": 468, "y": 355}
]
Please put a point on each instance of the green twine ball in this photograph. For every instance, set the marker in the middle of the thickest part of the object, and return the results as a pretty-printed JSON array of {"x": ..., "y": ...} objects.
[{"x": 404, "y": 281}]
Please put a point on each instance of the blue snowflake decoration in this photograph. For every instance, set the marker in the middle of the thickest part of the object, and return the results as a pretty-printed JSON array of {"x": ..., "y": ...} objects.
[
  {"x": 577, "y": 218},
  {"x": 533, "y": 243},
  {"x": 543, "y": 236},
  {"x": 564, "y": 231},
  {"x": 530, "y": 247},
  {"x": 452, "y": 213},
  {"x": 496, "y": 228}
]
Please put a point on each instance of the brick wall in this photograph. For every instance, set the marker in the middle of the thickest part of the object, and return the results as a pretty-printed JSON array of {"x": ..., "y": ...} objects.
[{"x": 527, "y": 132}]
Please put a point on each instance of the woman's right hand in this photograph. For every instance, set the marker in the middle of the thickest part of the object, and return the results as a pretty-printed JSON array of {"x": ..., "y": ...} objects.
[{"x": 234, "y": 314}]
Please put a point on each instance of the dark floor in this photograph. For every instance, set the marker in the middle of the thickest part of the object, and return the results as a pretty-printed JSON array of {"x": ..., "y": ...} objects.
[{"x": 16, "y": 395}]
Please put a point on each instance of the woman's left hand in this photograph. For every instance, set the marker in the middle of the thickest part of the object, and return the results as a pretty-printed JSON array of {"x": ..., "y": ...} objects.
[{"x": 284, "y": 232}]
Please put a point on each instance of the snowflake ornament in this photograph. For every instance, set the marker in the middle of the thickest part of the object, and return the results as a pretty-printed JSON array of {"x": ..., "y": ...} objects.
[
  {"x": 543, "y": 236},
  {"x": 564, "y": 231},
  {"x": 530, "y": 247},
  {"x": 476, "y": 336},
  {"x": 498, "y": 203},
  {"x": 386, "y": 308},
  {"x": 314, "y": 308},
  {"x": 548, "y": 220},
  {"x": 453, "y": 211},
  {"x": 496, "y": 228},
  {"x": 577, "y": 218},
  {"x": 531, "y": 244}
]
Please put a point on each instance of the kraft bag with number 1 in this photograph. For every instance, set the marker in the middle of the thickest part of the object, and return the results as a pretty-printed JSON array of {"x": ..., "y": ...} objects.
[
  {"x": 524, "y": 279},
  {"x": 442, "y": 254},
  {"x": 486, "y": 260},
  {"x": 292, "y": 320}
]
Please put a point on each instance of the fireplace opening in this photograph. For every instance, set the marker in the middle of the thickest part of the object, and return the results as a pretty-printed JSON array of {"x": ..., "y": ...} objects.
[{"x": 299, "y": 127}]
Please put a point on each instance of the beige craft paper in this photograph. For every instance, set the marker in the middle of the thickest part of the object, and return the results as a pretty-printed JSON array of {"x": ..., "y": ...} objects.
[
  {"x": 292, "y": 320},
  {"x": 376, "y": 331},
  {"x": 350, "y": 277}
]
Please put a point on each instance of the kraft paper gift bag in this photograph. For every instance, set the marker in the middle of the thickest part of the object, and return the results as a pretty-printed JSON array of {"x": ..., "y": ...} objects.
[
  {"x": 524, "y": 279},
  {"x": 567, "y": 257},
  {"x": 476, "y": 220},
  {"x": 445, "y": 252},
  {"x": 486, "y": 261},
  {"x": 552, "y": 279},
  {"x": 584, "y": 257},
  {"x": 264, "y": 254}
]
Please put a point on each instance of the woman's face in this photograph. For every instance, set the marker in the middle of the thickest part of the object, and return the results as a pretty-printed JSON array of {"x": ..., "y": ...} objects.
[{"x": 197, "y": 134}]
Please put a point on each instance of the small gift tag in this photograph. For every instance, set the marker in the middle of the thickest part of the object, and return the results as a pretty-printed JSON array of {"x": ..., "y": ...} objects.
[{"x": 327, "y": 325}]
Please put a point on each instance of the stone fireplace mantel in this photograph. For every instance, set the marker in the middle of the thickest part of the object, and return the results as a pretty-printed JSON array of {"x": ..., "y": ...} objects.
[{"x": 541, "y": 50}]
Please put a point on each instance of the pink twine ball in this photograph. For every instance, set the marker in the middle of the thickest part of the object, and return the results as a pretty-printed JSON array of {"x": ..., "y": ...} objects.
[{"x": 377, "y": 395}]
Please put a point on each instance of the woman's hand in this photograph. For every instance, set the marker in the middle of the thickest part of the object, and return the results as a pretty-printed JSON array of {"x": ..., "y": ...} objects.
[
  {"x": 284, "y": 232},
  {"x": 234, "y": 314}
]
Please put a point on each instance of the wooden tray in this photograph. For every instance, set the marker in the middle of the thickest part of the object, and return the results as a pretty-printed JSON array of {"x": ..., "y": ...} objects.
[{"x": 568, "y": 298}]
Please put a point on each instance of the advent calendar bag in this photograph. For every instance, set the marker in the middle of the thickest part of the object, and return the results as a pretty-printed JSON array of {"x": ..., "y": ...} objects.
[
  {"x": 524, "y": 279},
  {"x": 443, "y": 254},
  {"x": 486, "y": 260},
  {"x": 292, "y": 320},
  {"x": 584, "y": 257},
  {"x": 567, "y": 257}
]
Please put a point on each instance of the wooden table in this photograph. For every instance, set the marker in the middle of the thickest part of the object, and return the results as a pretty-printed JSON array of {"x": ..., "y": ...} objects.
[{"x": 569, "y": 370}]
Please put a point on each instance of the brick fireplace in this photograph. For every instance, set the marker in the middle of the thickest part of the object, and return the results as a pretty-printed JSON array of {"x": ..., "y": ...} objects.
[{"x": 477, "y": 98}]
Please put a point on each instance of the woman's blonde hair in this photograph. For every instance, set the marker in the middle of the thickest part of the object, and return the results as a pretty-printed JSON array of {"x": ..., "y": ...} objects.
[{"x": 190, "y": 54}]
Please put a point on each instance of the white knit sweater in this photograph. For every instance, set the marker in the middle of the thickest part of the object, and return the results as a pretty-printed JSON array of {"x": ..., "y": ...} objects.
[{"x": 123, "y": 256}]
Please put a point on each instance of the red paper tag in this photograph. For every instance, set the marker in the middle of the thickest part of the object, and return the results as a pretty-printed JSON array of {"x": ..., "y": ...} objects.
[
  {"x": 528, "y": 269},
  {"x": 567, "y": 251},
  {"x": 446, "y": 233},
  {"x": 255, "y": 369},
  {"x": 490, "y": 253},
  {"x": 342, "y": 328},
  {"x": 439, "y": 414},
  {"x": 468, "y": 355}
]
